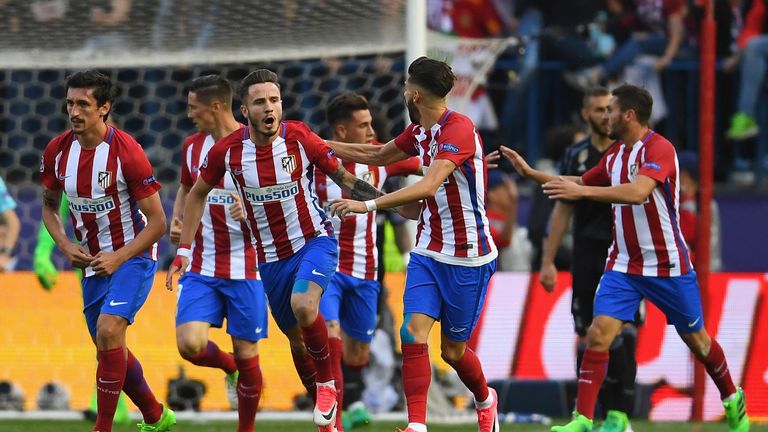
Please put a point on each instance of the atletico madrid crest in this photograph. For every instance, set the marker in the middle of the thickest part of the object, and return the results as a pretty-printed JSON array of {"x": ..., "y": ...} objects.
[
  {"x": 105, "y": 179},
  {"x": 288, "y": 163}
]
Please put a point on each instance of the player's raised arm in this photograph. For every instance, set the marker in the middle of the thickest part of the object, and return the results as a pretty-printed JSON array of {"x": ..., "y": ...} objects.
[
  {"x": 370, "y": 154},
  {"x": 426, "y": 187}
]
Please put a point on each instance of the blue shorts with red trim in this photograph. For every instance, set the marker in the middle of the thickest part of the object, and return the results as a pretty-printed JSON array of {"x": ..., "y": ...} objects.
[
  {"x": 619, "y": 295},
  {"x": 354, "y": 303},
  {"x": 452, "y": 294},
  {"x": 315, "y": 262},
  {"x": 122, "y": 293}
]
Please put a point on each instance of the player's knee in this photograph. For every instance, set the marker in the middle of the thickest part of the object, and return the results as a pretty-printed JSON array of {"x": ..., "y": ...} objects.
[
  {"x": 407, "y": 330},
  {"x": 699, "y": 343},
  {"x": 110, "y": 332},
  {"x": 304, "y": 308},
  {"x": 452, "y": 352},
  {"x": 190, "y": 347},
  {"x": 598, "y": 338},
  {"x": 357, "y": 354}
]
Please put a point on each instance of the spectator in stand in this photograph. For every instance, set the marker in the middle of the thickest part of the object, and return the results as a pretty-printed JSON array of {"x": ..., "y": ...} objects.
[
  {"x": 659, "y": 31},
  {"x": 753, "y": 50},
  {"x": 689, "y": 199},
  {"x": 9, "y": 228},
  {"x": 501, "y": 210}
]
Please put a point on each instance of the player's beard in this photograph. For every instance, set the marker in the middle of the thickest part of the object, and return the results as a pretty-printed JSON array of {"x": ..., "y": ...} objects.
[
  {"x": 413, "y": 111},
  {"x": 598, "y": 129},
  {"x": 616, "y": 130}
]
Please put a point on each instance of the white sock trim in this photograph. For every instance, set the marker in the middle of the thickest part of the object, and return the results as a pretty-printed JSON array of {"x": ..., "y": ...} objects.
[
  {"x": 486, "y": 403},
  {"x": 418, "y": 427}
]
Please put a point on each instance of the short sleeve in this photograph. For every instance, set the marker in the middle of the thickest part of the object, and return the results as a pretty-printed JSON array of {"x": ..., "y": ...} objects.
[
  {"x": 659, "y": 161},
  {"x": 409, "y": 166},
  {"x": 48, "y": 167},
  {"x": 186, "y": 174},
  {"x": 319, "y": 152},
  {"x": 598, "y": 174},
  {"x": 213, "y": 168},
  {"x": 6, "y": 200},
  {"x": 138, "y": 174},
  {"x": 456, "y": 143},
  {"x": 407, "y": 142}
]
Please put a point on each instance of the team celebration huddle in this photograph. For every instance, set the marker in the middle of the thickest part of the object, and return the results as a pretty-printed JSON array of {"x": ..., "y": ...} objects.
[{"x": 271, "y": 218}]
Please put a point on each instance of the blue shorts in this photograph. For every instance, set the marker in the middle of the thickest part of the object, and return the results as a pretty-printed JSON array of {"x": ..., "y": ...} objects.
[
  {"x": 353, "y": 302},
  {"x": 619, "y": 295},
  {"x": 452, "y": 294},
  {"x": 315, "y": 262},
  {"x": 209, "y": 299},
  {"x": 122, "y": 293}
]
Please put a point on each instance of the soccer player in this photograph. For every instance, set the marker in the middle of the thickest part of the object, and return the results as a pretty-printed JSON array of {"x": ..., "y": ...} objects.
[
  {"x": 272, "y": 163},
  {"x": 350, "y": 302},
  {"x": 222, "y": 280},
  {"x": 454, "y": 257},
  {"x": 592, "y": 228},
  {"x": 118, "y": 219},
  {"x": 648, "y": 257}
]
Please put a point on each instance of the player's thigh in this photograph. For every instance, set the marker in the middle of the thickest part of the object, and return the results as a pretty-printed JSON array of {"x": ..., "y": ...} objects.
[
  {"x": 618, "y": 296},
  {"x": 126, "y": 289},
  {"x": 358, "y": 308},
  {"x": 197, "y": 300},
  {"x": 318, "y": 261},
  {"x": 421, "y": 294},
  {"x": 278, "y": 278},
  {"x": 463, "y": 291},
  {"x": 94, "y": 290},
  {"x": 679, "y": 299},
  {"x": 245, "y": 308},
  {"x": 330, "y": 302}
]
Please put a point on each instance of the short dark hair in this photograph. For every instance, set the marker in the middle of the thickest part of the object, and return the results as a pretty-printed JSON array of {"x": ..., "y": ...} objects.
[
  {"x": 103, "y": 89},
  {"x": 432, "y": 75},
  {"x": 256, "y": 77},
  {"x": 593, "y": 92},
  {"x": 342, "y": 107},
  {"x": 632, "y": 97},
  {"x": 210, "y": 87}
]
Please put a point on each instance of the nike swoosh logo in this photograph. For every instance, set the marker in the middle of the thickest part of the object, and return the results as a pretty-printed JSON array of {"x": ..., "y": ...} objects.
[
  {"x": 691, "y": 324},
  {"x": 317, "y": 273},
  {"x": 369, "y": 332},
  {"x": 457, "y": 330},
  {"x": 329, "y": 415},
  {"x": 258, "y": 329},
  {"x": 114, "y": 303},
  {"x": 103, "y": 381}
]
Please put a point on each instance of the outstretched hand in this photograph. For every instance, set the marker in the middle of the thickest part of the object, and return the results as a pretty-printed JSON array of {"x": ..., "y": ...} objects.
[
  {"x": 343, "y": 207},
  {"x": 563, "y": 189},
  {"x": 492, "y": 159},
  {"x": 517, "y": 161}
]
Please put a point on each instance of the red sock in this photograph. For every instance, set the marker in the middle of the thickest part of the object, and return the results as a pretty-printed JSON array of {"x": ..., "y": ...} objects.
[
  {"x": 248, "y": 392},
  {"x": 316, "y": 340},
  {"x": 213, "y": 357},
  {"x": 417, "y": 373},
  {"x": 305, "y": 367},
  {"x": 717, "y": 368},
  {"x": 110, "y": 375},
  {"x": 335, "y": 346},
  {"x": 591, "y": 375},
  {"x": 137, "y": 389},
  {"x": 471, "y": 374}
]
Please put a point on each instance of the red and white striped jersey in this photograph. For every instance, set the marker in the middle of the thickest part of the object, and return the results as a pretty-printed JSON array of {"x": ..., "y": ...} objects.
[
  {"x": 102, "y": 185},
  {"x": 358, "y": 255},
  {"x": 223, "y": 247},
  {"x": 276, "y": 184},
  {"x": 452, "y": 227},
  {"x": 647, "y": 239}
]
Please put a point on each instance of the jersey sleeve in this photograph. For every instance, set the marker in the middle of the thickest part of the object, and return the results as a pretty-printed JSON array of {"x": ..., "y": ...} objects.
[
  {"x": 456, "y": 143},
  {"x": 138, "y": 174},
  {"x": 598, "y": 174},
  {"x": 319, "y": 152},
  {"x": 405, "y": 167},
  {"x": 407, "y": 142},
  {"x": 186, "y": 174},
  {"x": 48, "y": 168},
  {"x": 213, "y": 168},
  {"x": 659, "y": 161}
]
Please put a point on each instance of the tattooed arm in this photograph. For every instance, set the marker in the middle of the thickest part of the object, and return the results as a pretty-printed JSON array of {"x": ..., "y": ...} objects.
[{"x": 359, "y": 190}]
